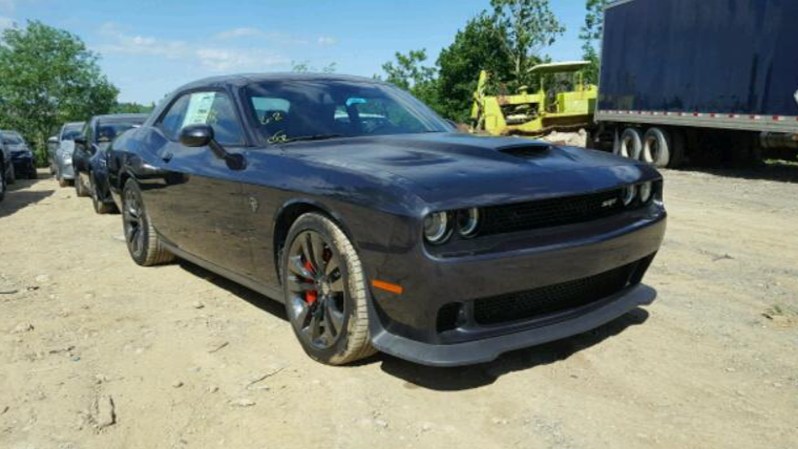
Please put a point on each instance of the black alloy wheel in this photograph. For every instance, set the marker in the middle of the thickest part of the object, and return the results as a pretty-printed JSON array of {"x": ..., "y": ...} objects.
[
  {"x": 316, "y": 288},
  {"x": 326, "y": 298},
  {"x": 143, "y": 242}
]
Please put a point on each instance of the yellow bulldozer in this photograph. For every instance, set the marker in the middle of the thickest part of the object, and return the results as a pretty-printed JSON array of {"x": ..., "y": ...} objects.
[{"x": 563, "y": 102}]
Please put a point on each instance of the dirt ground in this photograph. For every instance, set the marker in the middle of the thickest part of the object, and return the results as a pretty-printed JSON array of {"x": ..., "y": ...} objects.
[{"x": 96, "y": 352}]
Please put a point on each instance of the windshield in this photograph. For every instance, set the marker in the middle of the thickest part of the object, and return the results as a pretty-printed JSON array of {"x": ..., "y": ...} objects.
[
  {"x": 72, "y": 131},
  {"x": 12, "y": 139},
  {"x": 319, "y": 109},
  {"x": 107, "y": 131}
]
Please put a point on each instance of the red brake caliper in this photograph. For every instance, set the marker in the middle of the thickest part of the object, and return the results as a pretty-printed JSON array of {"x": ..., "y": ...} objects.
[{"x": 311, "y": 295}]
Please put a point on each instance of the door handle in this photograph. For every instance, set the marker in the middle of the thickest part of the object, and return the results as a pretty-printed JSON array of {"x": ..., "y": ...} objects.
[{"x": 167, "y": 156}]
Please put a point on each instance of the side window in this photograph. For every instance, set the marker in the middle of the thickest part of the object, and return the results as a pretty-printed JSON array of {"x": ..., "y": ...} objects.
[
  {"x": 212, "y": 108},
  {"x": 172, "y": 122}
]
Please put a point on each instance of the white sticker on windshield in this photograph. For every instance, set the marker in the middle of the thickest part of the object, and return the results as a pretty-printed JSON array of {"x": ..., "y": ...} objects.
[{"x": 199, "y": 108}]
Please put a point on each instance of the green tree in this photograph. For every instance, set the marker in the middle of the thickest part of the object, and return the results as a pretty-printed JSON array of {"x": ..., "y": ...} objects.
[
  {"x": 305, "y": 67},
  {"x": 411, "y": 73},
  {"x": 591, "y": 34},
  {"x": 476, "y": 47},
  {"x": 529, "y": 26},
  {"x": 48, "y": 77},
  {"x": 132, "y": 108}
]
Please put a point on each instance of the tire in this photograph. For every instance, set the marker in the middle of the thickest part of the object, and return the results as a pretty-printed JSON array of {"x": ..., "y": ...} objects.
[
  {"x": 12, "y": 175},
  {"x": 630, "y": 144},
  {"x": 656, "y": 148},
  {"x": 99, "y": 206},
  {"x": 329, "y": 311},
  {"x": 3, "y": 185},
  {"x": 63, "y": 182},
  {"x": 143, "y": 243},
  {"x": 32, "y": 174},
  {"x": 80, "y": 187}
]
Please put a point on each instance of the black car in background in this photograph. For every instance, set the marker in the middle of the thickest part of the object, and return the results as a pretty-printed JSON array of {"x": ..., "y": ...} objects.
[
  {"x": 378, "y": 225},
  {"x": 21, "y": 155},
  {"x": 90, "y": 154}
]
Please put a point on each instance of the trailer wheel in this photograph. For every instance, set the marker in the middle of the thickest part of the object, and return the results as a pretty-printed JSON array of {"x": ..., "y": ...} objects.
[
  {"x": 630, "y": 144},
  {"x": 656, "y": 148}
]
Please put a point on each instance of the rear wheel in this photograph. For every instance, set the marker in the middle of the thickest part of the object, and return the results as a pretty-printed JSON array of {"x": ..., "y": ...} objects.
[
  {"x": 143, "y": 243},
  {"x": 656, "y": 148},
  {"x": 630, "y": 144},
  {"x": 80, "y": 186},
  {"x": 325, "y": 291}
]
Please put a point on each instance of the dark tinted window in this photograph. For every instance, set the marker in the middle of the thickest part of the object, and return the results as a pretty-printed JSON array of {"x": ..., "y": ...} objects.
[
  {"x": 172, "y": 122},
  {"x": 283, "y": 111},
  {"x": 108, "y": 131},
  {"x": 212, "y": 108}
]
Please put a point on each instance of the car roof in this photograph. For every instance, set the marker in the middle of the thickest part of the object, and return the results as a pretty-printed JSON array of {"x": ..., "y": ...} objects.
[
  {"x": 244, "y": 79},
  {"x": 119, "y": 117}
]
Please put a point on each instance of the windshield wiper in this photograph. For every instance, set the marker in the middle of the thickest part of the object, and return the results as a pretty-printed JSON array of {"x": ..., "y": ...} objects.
[{"x": 312, "y": 137}]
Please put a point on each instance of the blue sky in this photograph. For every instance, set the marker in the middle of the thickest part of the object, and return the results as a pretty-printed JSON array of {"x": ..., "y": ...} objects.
[{"x": 151, "y": 47}]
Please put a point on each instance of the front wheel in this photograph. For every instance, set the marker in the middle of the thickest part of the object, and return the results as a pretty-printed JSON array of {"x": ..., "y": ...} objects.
[
  {"x": 325, "y": 292},
  {"x": 100, "y": 207},
  {"x": 2, "y": 182},
  {"x": 143, "y": 243}
]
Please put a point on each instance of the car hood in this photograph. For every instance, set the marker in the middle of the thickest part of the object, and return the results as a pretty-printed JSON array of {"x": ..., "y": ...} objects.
[
  {"x": 461, "y": 169},
  {"x": 17, "y": 148}
]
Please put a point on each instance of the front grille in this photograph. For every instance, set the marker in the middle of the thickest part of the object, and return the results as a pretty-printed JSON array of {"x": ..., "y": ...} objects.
[
  {"x": 552, "y": 298},
  {"x": 550, "y": 212}
]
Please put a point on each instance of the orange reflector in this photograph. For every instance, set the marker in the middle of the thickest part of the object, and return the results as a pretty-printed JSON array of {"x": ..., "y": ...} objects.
[{"x": 388, "y": 287}]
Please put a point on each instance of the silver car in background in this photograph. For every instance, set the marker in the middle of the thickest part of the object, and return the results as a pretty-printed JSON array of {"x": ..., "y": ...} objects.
[{"x": 62, "y": 158}]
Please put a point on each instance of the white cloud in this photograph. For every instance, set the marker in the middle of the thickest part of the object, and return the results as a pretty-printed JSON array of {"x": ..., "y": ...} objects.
[
  {"x": 226, "y": 59},
  {"x": 122, "y": 43},
  {"x": 236, "y": 33},
  {"x": 326, "y": 40},
  {"x": 5, "y": 22},
  {"x": 215, "y": 58}
]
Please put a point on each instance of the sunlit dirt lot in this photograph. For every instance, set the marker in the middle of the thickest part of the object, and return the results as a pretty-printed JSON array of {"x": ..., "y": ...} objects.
[{"x": 96, "y": 352}]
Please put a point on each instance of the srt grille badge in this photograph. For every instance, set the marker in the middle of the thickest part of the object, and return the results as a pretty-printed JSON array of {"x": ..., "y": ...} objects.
[{"x": 609, "y": 203}]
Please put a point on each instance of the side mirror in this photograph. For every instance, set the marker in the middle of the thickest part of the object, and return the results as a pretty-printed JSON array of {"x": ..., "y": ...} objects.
[
  {"x": 195, "y": 136},
  {"x": 201, "y": 135}
]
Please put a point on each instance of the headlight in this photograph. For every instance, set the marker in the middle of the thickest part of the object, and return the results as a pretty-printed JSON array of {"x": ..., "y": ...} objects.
[
  {"x": 468, "y": 222},
  {"x": 645, "y": 192},
  {"x": 67, "y": 161},
  {"x": 436, "y": 227},
  {"x": 629, "y": 195}
]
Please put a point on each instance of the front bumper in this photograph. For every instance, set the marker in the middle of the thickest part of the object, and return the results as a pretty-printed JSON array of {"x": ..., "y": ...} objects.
[
  {"x": 23, "y": 163},
  {"x": 65, "y": 171},
  {"x": 409, "y": 325}
]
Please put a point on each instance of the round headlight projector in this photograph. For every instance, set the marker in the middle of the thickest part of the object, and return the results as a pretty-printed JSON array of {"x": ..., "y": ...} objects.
[
  {"x": 468, "y": 222},
  {"x": 436, "y": 227}
]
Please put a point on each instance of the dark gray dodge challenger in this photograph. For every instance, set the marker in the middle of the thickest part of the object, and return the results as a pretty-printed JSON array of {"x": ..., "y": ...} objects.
[{"x": 378, "y": 225}]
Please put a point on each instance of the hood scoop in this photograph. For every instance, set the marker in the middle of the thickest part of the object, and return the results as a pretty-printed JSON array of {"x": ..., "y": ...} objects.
[{"x": 532, "y": 150}]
